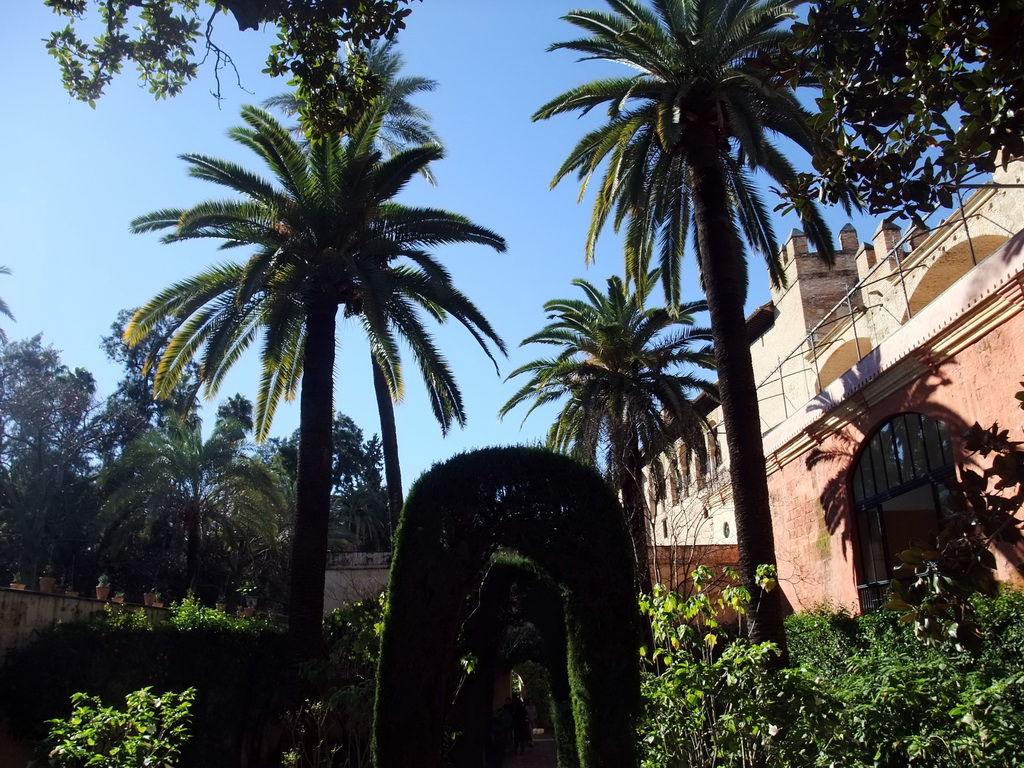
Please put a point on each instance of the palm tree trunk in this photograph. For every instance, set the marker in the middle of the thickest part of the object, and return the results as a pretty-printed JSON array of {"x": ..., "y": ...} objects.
[
  {"x": 723, "y": 269},
  {"x": 193, "y": 537},
  {"x": 313, "y": 487},
  {"x": 635, "y": 506},
  {"x": 389, "y": 444}
]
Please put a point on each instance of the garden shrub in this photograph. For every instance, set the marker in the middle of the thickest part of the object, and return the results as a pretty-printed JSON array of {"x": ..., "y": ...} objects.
[
  {"x": 335, "y": 726},
  {"x": 149, "y": 731},
  {"x": 903, "y": 702},
  {"x": 861, "y": 691},
  {"x": 234, "y": 665},
  {"x": 710, "y": 697}
]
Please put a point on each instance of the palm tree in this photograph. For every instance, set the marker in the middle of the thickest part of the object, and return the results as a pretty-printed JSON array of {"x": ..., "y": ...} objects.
[
  {"x": 624, "y": 374},
  {"x": 327, "y": 234},
  {"x": 171, "y": 478},
  {"x": 684, "y": 135},
  {"x": 4, "y": 309},
  {"x": 404, "y": 125}
]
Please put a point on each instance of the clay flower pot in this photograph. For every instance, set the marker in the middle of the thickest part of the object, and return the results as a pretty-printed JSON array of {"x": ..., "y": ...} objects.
[
  {"x": 46, "y": 583},
  {"x": 102, "y": 592}
]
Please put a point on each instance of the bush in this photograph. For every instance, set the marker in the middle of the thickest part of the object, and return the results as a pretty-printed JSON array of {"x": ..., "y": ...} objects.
[
  {"x": 861, "y": 692},
  {"x": 234, "y": 665},
  {"x": 148, "y": 732}
]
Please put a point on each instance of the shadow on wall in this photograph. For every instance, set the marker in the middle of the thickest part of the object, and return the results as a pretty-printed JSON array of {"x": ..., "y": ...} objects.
[{"x": 844, "y": 451}]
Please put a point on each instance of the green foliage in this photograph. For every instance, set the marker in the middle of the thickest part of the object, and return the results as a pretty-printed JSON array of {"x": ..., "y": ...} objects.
[
  {"x": 935, "y": 581},
  {"x": 897, "y": 702},
  {"x": 49, "y": 427},
  {"x": 4, "y": 309},
  {"x": 566, "y": 520},
  {"x": 334, "y": 727},
  {"x": 160, "y": 38},
  {"x": 710, "y": 697},
  {"x": 359, "y": 511},
  {"x": 234, "y": 665},
  {"x": 125, "y": 619},
  {"x": 861, "y": 691},
  {"x": 192, "y": 616},
  {"x": 193, "y": 493},
  {"x": 916, "y": 97},
  {"x": 149, "y": 731}
]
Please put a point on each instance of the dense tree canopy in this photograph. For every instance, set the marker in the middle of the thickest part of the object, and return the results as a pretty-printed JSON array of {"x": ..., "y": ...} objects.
[
  {"x": 49, "y": 430},
  {"x": 195, "y": 489},
  {"x": 916, "y": 97},
  {"x": 160, "y": 38}
]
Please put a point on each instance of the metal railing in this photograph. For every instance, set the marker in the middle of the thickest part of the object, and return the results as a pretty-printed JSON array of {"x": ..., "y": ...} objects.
[
  {"x": 873, "y": 596},
  {"x": 879, "y": 303}
]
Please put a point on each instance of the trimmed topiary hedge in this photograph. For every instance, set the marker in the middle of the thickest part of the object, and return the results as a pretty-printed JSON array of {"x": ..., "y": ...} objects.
[{"x": 562, "y": 517}]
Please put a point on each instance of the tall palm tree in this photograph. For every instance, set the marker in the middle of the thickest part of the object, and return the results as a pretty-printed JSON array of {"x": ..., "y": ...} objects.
[
  {"x": 4, "y": 309},
  {"x": 625, "y": 374},
  {"x": 327, "y": 235},
  {"x": 404, "y": 125},
  {"x": 684, "y": 134},
  {"x": 171, "y": 477}
]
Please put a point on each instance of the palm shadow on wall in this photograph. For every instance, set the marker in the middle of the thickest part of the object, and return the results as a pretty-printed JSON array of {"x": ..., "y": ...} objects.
[{"x": 844, "y": 451}]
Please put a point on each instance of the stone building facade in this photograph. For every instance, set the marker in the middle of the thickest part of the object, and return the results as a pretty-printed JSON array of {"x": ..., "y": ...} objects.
[{"x": 868, "y": 374}]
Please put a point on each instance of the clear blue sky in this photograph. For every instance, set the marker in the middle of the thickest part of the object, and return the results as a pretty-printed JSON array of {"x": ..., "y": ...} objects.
[{"x": 74, "y": 177}]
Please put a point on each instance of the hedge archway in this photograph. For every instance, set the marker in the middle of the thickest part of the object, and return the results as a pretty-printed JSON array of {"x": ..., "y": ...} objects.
[
  {"x": 514, "y": 594},
  {"x": 565, "y": 519}
]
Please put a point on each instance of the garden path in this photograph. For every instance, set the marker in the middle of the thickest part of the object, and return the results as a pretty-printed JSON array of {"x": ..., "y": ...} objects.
[{"x": 541, "y": 756}]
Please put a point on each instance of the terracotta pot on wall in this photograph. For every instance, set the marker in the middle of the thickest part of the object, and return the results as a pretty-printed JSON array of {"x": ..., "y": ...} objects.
[
  {"x": 102, "y": 593},
  {"x": 46, "y": 583}
]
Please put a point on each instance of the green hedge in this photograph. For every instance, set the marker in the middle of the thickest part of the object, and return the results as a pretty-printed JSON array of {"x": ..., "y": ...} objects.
[
  {"x": 562, "y": 517},
  {"x": 234, "y": 665}
]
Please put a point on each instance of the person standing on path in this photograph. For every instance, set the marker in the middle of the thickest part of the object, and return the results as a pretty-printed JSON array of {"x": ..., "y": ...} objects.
[
  {"x": 520, "y": 727},
  {"x": 531, "y": 719}
]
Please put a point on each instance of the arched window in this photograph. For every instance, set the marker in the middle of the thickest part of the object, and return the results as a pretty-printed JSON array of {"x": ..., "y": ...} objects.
[{"x": 898, "y": 496}]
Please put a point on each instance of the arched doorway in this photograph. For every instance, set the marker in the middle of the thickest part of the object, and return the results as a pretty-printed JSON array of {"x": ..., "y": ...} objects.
[
  {"x": 459, "y": 516},
  {"x": 898, "y": 495}
]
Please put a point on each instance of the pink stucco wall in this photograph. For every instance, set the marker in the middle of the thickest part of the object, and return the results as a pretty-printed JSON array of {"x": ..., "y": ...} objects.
[{"x": 811, "y": 500}]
